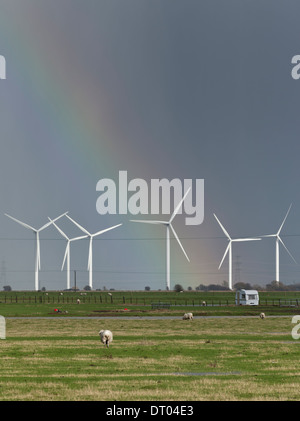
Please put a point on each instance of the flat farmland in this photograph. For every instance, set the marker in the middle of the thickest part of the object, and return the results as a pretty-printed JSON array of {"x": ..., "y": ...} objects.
[{"x": 62, "y": 359}]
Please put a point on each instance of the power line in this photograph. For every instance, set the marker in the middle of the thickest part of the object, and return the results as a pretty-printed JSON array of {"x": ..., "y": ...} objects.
[{"x": 135, "y": 239}]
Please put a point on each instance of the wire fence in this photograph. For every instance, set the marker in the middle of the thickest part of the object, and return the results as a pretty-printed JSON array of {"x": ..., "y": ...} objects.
[{"x": 141, "y": 301}]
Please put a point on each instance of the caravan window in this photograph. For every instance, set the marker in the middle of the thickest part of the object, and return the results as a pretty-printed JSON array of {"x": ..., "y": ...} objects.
[
  {"x": 251, "y": 296},
  {"x": 243, "y": 296}
]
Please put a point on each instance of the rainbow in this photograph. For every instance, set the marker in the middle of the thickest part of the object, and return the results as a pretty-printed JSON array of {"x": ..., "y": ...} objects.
[{"x": 75, "y": 117}]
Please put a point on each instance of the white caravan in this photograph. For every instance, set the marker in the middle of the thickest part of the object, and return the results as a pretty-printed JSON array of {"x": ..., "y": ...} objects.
[{"x": 246, "y": 297}]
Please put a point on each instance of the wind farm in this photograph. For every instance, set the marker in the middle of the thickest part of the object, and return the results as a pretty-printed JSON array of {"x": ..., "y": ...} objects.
[
  {"x": 63, "y": 326},
  {"x": 169, "y": 231}
]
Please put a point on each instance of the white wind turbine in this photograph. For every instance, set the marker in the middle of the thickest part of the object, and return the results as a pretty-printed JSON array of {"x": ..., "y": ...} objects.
[
  {"x": 67, "y": 252},
  {"x": 168, "y": 225},
  {"x": 229, "y": 249},
  {"x": 279, "y": 240},
  {"x": 90, "y": 258},
  {"x": 37, "y": 248}
]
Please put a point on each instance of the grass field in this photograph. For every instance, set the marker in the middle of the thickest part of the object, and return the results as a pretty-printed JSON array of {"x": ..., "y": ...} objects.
[
  {"x": 171, "y": 359},
  {"x": 136, "y": 303}
]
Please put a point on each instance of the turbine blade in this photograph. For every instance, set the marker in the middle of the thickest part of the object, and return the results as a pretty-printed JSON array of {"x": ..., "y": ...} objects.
[
  {"x": 142, "y": 221},
  {"x": 78, "y": 238},
  {"x": 223, "y": 229},
  {"x": 226, "y": 251},
  {"x": 178, "y": 206},
  {"x": 21, "y": 223},
  {"x": 286, "y": 249},
  {"x": 284, "y": 219},
  {"x": 66, "y": 253},
  {"x": 58, "y": 229},
  {"x": 53, "y": 220},
  {"x": 105, "y": 230},
  {"x": 79, "y": 226},
  {"x": 179, "y": 242},
  {"x": 245, "y": 239}
]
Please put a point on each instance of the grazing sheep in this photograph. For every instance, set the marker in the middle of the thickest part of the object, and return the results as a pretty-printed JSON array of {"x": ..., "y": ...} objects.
[
  {"x": 106, "y": 337},
  {"x": 188, "y": 316},
  {"x": 204, "y": 303},
  {"x": 262, "y": 315},
  {"x": 78, "y": 301}
]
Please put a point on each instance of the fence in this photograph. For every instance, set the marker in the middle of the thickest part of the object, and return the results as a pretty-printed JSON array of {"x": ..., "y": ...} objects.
[{"x": 142, "y": 301}]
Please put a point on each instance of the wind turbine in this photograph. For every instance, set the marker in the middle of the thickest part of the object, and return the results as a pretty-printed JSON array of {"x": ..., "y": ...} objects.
[
  {"x": 67, "y": 252},
  {"x": 168, "y": 225},
  {"x": 37, "y": 249},
  {"x": 90, "y": 258},
  {"x": 229, "y": 249},
  {"x": 279, "y": 240}
]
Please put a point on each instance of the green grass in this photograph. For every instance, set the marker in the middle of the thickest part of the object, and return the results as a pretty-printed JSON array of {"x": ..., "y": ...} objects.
[
  {"x": 94, "y": 303},
  {"x": 63, "y": 359}
]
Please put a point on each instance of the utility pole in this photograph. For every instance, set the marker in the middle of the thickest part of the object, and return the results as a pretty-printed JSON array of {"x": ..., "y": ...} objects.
[{"x": 75, "y": 280}]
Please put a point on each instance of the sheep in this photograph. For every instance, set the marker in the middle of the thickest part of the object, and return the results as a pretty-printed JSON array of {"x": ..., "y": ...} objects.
[
  {"x": 78, "y": 301},
  {"x": 204, "y": 303},
  {"x": 188, "y": 316},
  {"x": 106, "y": 337},
  {"x": 262, "y": 315}
]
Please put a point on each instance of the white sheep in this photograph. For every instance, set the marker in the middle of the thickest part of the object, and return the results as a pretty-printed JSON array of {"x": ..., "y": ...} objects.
[
  {"x": 262, "y": 315},
  {"x": 188, "y": 316},
  {"x": 106, "y": 337},
  {"x": 78, "y": 301}
]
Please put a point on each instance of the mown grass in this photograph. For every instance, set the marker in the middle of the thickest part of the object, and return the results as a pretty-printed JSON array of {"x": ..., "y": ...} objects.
[{"x": 206, "y": 359}]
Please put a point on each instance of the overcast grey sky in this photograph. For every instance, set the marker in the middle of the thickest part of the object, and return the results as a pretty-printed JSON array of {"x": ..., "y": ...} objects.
[{"x": 161, "y": 89}]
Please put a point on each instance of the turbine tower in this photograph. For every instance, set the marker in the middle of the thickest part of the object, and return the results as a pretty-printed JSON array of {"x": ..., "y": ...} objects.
[
  {"x": 90, "y": 258},
  {"x": 67, "y": 252},
  {"x": 229, "y": 249},
  {"x": 279, "y": 240},
  {"x": 168, "y": 225},
  {"x": 37, "y": 248}
]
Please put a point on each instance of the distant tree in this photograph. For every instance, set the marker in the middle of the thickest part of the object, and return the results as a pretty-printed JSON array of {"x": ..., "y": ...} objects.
[
  {"x": 7, "y": 288},
  {"x": 258, "y": 287},
  {"x": 276, "y": 286},
  {"x": 178, "y": 288},
  {"x": 225, "y": 284},
  {"x": 87, "y": 288},
  {"x": 242, "y": 285},
  {"x": 190, "y": 289},
  {"x": 147, "y": 288},
  {"x": 201, "y": 287}
]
